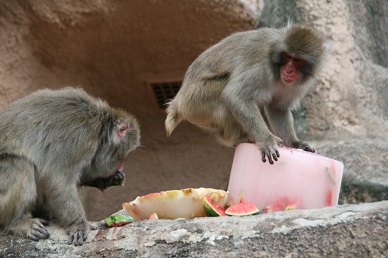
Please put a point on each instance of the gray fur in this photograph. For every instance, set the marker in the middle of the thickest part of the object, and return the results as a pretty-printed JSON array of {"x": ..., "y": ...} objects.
[
  {"x": 51, "y": 142},
  {"x": 228, "y": 85}
]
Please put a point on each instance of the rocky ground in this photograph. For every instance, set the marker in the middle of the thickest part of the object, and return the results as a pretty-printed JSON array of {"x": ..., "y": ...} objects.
[{"x": 343, "y": 231}]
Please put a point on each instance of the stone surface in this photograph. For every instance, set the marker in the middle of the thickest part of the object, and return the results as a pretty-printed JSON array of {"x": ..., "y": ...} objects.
[{"x": 344, "y": 231}]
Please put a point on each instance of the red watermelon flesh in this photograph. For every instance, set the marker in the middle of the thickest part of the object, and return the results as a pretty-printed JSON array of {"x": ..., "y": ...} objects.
[
  {"x": 242, "y": 209},
  {"x": 154, "y": 216}
]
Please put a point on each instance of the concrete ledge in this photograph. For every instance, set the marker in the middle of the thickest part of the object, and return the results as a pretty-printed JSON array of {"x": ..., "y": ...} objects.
[{"x": 352, "y": 230}]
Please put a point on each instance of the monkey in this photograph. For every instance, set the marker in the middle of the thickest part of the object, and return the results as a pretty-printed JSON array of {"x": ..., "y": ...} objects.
[
  {"x": 51, "y": 143},
  {"x": 243, "y": 88}
]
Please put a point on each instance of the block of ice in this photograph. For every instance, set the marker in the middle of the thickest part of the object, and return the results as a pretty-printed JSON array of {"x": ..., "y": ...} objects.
[{"x": 298, "y": 180}]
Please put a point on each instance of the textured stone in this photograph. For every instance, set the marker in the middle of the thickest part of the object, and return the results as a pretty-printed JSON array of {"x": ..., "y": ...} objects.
[{"x": 351, "y": 231}]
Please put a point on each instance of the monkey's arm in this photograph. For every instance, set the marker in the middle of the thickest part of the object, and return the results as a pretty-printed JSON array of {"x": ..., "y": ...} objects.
[
  {"x": 241, "y": 95},
  {"x": 104, "y": 182},
  {"x": 67, "y": 209},
  {"x": 282, "y": 124}
]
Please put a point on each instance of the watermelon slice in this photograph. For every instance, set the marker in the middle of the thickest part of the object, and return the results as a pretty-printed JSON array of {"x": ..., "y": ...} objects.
[
  {"x": 118, "y": 220},
  {"x": 242, "y": 209},
  {"x": 281, "y": 204},
  {"x": 154, "y": 216},
  {"x": 173, "y": 204},
  {"x": 331, "y": 172},
  {"x": 211, "y": 209},
  {"x": 328, "y": 198}
]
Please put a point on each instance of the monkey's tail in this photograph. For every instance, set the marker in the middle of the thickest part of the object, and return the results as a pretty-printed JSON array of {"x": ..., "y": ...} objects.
[{"x": 173, "y": 118}]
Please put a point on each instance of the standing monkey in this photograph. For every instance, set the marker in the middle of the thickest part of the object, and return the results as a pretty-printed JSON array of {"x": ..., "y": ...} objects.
[
  {"x": 234, "y": 86},
  {"x": 51, "y": 142}
]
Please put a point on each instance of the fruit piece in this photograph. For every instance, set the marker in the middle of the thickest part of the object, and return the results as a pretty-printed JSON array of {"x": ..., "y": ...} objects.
[
  {"x": 284, "y": 203},
  {"x": 290, "y": 207},
  {"x": 211, "y": 209},
  {"x": 266, "y": 209},
  {"x": 153, "y": 216},
  {"x": 331, "y": 173},
  {"x": 185, "y": 203},
  {"x": 118, "y": 220},
  {"x": 242, "y": 209},
  {"x": 328, "y": 198}
]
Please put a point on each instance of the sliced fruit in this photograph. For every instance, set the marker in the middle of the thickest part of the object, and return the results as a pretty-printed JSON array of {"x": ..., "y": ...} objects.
[
  {"x": 173, "y": 204},
  {"x": 242, "y": 209},
  {"x": 290, "y": 207},
  {"x": 328, "y": 198},
  {"x": 331, "y": 173},
  {"x": 153, "y": 216},
  {"x": 211, "y": 209},
  {"x": 284, "y": 203},
  {"x": 266, "y": 209},
  {"x": 118, "y": 220}
]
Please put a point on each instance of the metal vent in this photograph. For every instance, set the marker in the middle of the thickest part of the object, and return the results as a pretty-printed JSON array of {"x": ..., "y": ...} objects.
[{"x": 164, "y": 91}]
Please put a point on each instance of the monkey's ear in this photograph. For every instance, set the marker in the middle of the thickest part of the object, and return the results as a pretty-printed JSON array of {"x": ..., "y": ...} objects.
[{"x": 122, "y": 129}]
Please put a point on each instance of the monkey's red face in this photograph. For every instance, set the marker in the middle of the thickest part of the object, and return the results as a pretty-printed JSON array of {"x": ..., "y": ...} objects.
[{"x": 290, "y": 71}]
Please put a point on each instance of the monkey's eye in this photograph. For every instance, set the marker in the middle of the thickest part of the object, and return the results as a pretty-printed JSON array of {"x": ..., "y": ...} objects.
[
  {"x": 286, "y": 57},
  {"x": 298, "y": 61}
]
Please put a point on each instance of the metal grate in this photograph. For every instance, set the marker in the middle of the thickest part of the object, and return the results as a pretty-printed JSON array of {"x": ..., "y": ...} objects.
[{"x": 164, "y": 92}]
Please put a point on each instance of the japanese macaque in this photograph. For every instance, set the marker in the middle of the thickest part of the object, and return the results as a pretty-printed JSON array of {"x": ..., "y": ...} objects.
[
  {"x": 244, "y": 88},
  {"x": 52, "y": 142}
]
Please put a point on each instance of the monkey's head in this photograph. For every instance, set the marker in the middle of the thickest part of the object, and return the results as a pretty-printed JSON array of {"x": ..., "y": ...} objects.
[
  {"x": 119, "y": 134},
  {"x": 297, "y": 59}
]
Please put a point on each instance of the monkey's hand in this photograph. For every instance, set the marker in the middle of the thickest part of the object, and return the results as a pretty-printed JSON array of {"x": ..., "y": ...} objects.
[
  {"x": 269, "y": 149},
  {"x": 78, "y": 234},
  {"x": 102, "y": 183},
  {"x": 302, "y": 145}
]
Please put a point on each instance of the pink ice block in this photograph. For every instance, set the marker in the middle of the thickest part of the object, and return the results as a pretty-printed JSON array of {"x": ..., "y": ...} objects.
[{"x": 298, "y": 180}]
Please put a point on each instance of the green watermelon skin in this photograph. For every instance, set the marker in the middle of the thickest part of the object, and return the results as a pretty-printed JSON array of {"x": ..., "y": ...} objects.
[
  {"x": 118, "y": 220},
  {"x": 242, "y": 209},
  {"x": 211, "y": 209}
]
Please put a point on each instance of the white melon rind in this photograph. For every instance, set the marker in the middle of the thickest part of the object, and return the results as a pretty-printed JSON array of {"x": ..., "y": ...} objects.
[{"x": 173, "y": 204}]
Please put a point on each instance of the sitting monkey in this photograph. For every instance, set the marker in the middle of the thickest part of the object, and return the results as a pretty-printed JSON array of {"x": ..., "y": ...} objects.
[{"x": 52, "y": 142}]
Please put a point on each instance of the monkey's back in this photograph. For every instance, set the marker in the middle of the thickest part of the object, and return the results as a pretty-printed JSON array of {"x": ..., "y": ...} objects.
[
  {"x": 241, "y": 48},
  {"x": 208, "y": 75},
  {"x": 46, "y": 122}
]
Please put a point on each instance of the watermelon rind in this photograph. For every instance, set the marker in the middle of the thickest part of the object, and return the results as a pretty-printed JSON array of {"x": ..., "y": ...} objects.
[
  {"x": 118, "y": 220},
  {"x": 242, "y": 209},
  {"x": 154, "y": 216},
  {"x": 173, "y": 204},
  {"x": 211, "y": 209}
]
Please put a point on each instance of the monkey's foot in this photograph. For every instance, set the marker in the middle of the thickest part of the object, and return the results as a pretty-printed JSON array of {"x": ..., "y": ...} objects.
[
  {"x": 303, "y": 145},
  {"x": 77, "y": 236},
  {"x": 38, "y": 230}
]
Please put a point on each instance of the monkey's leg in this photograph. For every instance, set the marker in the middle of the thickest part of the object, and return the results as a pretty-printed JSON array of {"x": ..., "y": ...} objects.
[
  {"x": 282, "y": 124},
  {"x": 231, "y": 133},
  {"x": 247, "y": 114},
  {"x": 102, "y": 183},
  {"x": 17, "y": 197}
]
